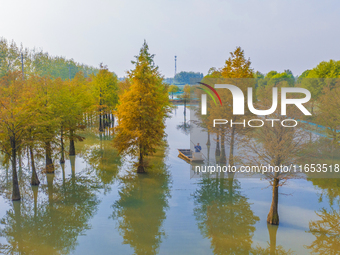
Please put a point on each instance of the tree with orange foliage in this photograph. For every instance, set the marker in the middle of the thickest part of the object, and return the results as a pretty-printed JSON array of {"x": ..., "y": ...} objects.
[
  {"x": 14, "y": 117},
  {"x": 142, "y": 110}
]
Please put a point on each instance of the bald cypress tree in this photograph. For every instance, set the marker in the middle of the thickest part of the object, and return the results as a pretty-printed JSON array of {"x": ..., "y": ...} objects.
[{"x": 142, "y": 110}]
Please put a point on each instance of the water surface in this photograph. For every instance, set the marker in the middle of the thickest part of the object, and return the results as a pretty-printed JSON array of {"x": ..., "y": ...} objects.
[{"x": 96, "y": 204}]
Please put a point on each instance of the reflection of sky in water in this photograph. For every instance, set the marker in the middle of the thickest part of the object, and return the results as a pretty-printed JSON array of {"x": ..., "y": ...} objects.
[{"x": 298, "y": 202}]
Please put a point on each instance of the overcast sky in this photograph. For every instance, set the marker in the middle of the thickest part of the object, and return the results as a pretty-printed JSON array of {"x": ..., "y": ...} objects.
[{"x": 275, "y": 35}]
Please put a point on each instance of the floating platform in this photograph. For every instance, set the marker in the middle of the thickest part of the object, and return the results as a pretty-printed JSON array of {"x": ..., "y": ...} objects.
[{"x": 190, "y": 156}]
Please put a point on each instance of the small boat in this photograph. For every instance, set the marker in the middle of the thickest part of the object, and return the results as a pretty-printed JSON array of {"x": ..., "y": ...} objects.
[{"x": 190, "y": 156}]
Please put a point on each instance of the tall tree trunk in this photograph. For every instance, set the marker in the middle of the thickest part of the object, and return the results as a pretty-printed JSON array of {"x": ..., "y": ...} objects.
[
  {"x": 273, "y": 215},
  {"x": 49, "y": 162},
  {"x": 217, "y": 151},
  {"x": 208, "y": 153},
  {"x": 63, "y": 175},
  {"x": 223, "y": 158},
  {"x": 72, "y": 148},
  {"x": 232, "y": 142},
  {"x": 19, "y": 163},
  {"x": 100, "y": 122},
  {"x": 62, "y": 158},
  {"x": 16, "y": 191},
  {"x": 34, "y": 180},
  {"x": 231, "y": 176}
]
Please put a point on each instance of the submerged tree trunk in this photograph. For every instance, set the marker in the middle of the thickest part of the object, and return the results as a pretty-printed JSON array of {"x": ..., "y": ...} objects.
[
  {"x": 20, "y": 166},
  {"x": 73, "y": 171},
  {"x": 140, "y": 168},
  {"x": 273, "y": 216},
  {"x": 100, "y": 122},
  {"x": 35, "y": 197},
  {"x": 63, "y": 175},
  {"x": 50, "y": 191},
  {"x": 34, "y": 180},
  {"x": 72, "y": 148},
  {"x": 217, "y": 151},
  {"x": 15, "y": 191},
  {"x": 62, "y": 158},
  {"x": 49, "y": 162}
]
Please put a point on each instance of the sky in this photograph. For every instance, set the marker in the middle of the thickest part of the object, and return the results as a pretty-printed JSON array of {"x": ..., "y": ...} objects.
[{"x": 275, "y": 35}]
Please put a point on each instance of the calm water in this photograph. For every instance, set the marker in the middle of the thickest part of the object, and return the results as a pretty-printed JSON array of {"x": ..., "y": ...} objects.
[{"x": 95, "y": 204}]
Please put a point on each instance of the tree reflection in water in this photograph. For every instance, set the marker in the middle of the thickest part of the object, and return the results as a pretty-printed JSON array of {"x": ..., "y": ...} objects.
[
  {"x": 327, "y": 229},
  {"x": 224, "y": 215},
  {"x": 185, "y": 125},
  {"x": 141, "y": 208},
  {"x": 104, "y": 160},
  {"x": 51, "y": 222},
  {"x": 50, "y": 218},
  {"x": 99, "y": 153},
  {"x": 272, "y": 248}
]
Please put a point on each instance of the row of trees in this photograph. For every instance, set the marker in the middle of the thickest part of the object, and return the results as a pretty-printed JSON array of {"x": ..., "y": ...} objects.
[
  {"x": 187, "y": 77},
  {"x": 39, "y": 113},
  {"x": 36, "y": 62},
  {"x": 42, "y": 108}
]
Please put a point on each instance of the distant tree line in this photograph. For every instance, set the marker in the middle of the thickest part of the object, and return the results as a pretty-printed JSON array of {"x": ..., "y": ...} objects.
[
  {"x": 38, "y": 62},
  {"x": 184, "y": 77}
]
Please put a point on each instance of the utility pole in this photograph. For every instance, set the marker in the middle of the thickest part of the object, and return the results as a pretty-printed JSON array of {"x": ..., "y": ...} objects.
[
  {"x": 22, "y": 66},
  {"x": 175, "y": 65}
]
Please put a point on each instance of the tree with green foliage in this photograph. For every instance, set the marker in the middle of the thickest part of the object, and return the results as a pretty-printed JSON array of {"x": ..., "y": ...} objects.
[
  {"x": 173, "y": 89},
  {"x": 273, "y": 78},
  {"x": 328, "y": 112},
  {"x": 37, "y": 62},
  {"x": 318, "y": 78},
  {"x": 142, "y": 110},
  {"x": 105, "y": 88}
]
